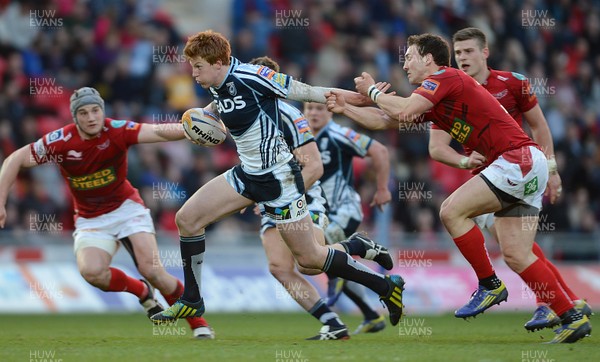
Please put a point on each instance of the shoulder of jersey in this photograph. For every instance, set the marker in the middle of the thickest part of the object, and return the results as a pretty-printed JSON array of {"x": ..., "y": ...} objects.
[
  {"x": 62, "y": 134},
  {"x": 446, "y": 72},
  {"x": 121, "y": 123},
  {"x": 249, "y": 68},
  {"x": 505, "y": 76},
  {"x": 333, "y": 127},
  {"x": 342, "y": 132}
]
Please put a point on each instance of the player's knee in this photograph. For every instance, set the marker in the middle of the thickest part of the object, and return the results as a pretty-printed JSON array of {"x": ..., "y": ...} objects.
[
  {"x": 511, "y": 261},
  {"x": 96, "y": 275},
  {"x": 448, "y": 214},
  {"x": 515, "y": 259},
  {"x": 188, "y": 223}
]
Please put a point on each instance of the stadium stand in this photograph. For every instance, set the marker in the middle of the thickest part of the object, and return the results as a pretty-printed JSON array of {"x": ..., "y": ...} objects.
[{"x": 131, "y": 52}]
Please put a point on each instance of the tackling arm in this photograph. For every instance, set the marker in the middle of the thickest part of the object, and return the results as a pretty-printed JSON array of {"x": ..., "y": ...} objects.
[
  {"x": 303, "y": 92},
  {"x": 150, "y": 133},
  {"x": 405, "y": 110},
  {"x": 21, "y": 158},
  {"x": 167, "y": 131},
  {"x": 400, "y": 108},
  {"x": 368, "y": 117}
]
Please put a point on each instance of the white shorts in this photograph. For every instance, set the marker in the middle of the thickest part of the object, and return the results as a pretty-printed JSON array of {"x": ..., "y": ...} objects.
[
  {"x": 104, "y": 231},
  {"x": 521, "y": 173},
  {"x": 280, "y": 192},
  {"x": 344, "y": 221},
  {"x": 317, "y": 207}
]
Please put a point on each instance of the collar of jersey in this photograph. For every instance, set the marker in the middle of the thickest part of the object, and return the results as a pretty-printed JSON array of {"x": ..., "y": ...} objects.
[
  {"x": 234, "y": 63},
  {"x": 489, "y": 76}
]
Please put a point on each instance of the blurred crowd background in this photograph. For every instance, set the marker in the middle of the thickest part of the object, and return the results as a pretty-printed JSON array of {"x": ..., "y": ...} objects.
[{"x": 131, "y": 51}]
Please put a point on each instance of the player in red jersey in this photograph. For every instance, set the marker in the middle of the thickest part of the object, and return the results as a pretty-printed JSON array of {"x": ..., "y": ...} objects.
[
  {"x": 511, "y": 185},
  {"x": 514, "y": 93},
  {"x": 92, "y": 156}
]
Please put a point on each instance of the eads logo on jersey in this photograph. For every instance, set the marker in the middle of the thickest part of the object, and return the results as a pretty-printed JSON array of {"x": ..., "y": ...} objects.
[
  {"x": 94, "y": 180},
  {"x": 227, "y": 105}
]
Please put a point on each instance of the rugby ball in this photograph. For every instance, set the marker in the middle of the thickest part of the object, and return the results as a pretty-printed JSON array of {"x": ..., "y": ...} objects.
[{"x": 203, "y": 127}]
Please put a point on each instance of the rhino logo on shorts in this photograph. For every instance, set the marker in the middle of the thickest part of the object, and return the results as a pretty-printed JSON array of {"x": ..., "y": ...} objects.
[{"x": 531, "y": 187}]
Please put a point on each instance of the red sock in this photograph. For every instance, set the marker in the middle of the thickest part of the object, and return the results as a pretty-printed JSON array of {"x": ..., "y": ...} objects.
[
  {"x": 194, "y": 322},
  {"x": 540, "y": 254},
  {"x": 172, "y": 298},
  {"x": 120, "y": 282},
  {"x": 472, "y": 247},
  {"x": 540, "y": 279}
]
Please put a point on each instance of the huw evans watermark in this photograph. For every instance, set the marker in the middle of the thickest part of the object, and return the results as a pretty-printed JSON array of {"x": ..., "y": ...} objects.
[
  {"x": 291, "y": 19},
  {"x": 537, "y": 19},
  {"x": 44, "y": 18}
]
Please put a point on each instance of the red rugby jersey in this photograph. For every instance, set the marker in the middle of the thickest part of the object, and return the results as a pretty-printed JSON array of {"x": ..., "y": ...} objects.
[
  {"x": 95, "y": 169},
  {"x": 513, "y": 91},
  {"x": 470, "y": 114}
]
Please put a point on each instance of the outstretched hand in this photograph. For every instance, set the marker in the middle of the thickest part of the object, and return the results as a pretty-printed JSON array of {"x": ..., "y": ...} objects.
[
  {"x": 363, "y": 82},
  {"x": 335, "y": 102},
  {"x": 384, "y": 86}
]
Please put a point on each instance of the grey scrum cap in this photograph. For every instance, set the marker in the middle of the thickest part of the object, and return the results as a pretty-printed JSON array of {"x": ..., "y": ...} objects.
[{"x": 84, "y": 96}]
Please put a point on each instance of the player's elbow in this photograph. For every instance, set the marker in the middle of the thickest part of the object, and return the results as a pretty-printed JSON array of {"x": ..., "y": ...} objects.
[
  {"x": 379, "y": 152},
  {"x": 21, "y": 158},
  {"x": 434, "y": 151}
]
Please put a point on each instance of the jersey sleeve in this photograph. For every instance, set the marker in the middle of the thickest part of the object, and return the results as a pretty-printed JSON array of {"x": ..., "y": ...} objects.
[
  {"x": 49, "y": 147},
  {"x": 436, "y": 87},
  {"x": 265, "y": 80},
  {"x": 523, "y": 92},
  {"x": 124, "y": 132},
  {"x": 296, "y": 130},
  {"x": 352, "y": 142}
]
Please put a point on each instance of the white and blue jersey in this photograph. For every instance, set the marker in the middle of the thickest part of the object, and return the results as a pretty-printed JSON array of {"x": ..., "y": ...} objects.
[
  {"x": 338, "y": 146},
  {"x": 294, "y": 126},
  {"x": 247, "y": 101},
  {"x": 296, "y": 132},
  {"x": 248, "y": 105}
]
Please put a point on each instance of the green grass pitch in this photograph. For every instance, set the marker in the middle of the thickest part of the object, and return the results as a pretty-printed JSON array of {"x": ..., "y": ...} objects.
[{"x": 280, "y": 338}]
